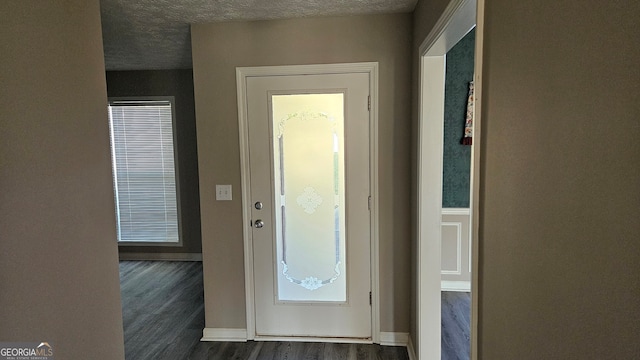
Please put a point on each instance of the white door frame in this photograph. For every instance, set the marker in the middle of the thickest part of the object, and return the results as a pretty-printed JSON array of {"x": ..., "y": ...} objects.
[
  {"x": 458, "y": 18},
  {"x": 242, "y": 73}
]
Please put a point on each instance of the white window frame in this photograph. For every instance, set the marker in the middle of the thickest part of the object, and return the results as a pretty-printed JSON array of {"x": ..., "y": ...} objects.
[{"x": 171, "y": 100}]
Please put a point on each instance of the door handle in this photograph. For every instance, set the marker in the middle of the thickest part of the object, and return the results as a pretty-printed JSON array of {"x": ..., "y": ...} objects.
[{"x": 258, "y": 224}]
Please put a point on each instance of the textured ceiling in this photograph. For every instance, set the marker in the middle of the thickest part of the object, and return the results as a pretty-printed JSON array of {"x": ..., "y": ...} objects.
[{"x": 154, "y": 34}]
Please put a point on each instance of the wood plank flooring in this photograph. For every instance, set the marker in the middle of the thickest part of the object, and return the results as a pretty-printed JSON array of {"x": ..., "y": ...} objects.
[
  {"x": 163, "y": 315},
  {"x": 162, "y": 308},
  {"x": 456, "y": 310},
  {"x": 277, "y": 350}
]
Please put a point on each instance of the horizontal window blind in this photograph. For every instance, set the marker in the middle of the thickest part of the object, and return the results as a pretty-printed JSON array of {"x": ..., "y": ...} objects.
[{"x": 144, "y": 171}]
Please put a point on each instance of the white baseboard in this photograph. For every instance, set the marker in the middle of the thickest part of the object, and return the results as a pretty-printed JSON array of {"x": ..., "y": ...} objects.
[
  {"x": 314, "y": 339},
  {"x": 460, "y": 286},
  {"x": 394, "y": 338},
  {"x": 411, "y": 350},
  {"x": 240, "y": 335},
  {"x": 160, "y": 256},
  {"x": 220, "y": 334}
]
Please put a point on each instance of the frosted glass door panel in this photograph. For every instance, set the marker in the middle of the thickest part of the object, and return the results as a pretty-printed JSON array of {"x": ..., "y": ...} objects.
[
  {"x": 309, "y": 160},
  {"x": 308, "y": 148}
]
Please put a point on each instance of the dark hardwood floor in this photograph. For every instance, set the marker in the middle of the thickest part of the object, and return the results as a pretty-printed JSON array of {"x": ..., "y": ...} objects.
[
  {"x": 163, "y": 315},
  {"x": 277, "y": 350},
  {"x": 162, "y": 308},
  {"x": 456, "y": 310}
]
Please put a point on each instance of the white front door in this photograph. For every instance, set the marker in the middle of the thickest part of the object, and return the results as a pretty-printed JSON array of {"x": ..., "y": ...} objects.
[{"x": 309, "y": 158}]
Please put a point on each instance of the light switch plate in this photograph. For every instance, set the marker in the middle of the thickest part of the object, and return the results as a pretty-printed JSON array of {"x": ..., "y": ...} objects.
[{"x": 223, "y": 192}]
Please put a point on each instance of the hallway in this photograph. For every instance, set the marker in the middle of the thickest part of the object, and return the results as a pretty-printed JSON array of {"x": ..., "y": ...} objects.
[{"x": 163, "y": 316}]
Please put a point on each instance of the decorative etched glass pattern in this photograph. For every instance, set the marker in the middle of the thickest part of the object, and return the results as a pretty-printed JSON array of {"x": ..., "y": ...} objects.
[
  {"x": 309, "y": 200},
  {"x": 308, "y": 148}
]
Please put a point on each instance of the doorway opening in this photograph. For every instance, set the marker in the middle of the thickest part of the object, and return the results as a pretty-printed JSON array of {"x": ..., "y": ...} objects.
[{"x": 457, "y": 20}]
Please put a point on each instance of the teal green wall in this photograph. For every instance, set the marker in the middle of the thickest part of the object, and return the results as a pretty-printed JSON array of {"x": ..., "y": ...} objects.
[{"x": 457, "y": 157}]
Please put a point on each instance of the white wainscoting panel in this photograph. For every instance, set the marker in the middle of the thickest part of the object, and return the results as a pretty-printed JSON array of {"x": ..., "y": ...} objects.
[
  {"x": 451, "y": 249},
  {"x": 456, "y": 249}
]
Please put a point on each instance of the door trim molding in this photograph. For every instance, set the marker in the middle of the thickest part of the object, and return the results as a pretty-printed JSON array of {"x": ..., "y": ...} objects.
[
  {"x": 242, "y": 73},
  {"x": 411, "y": 350},
  {"x": 456, "y": 20}
]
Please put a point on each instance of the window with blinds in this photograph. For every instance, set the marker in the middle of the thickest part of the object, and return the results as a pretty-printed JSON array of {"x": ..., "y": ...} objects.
[{"x": 144, "y": 176}]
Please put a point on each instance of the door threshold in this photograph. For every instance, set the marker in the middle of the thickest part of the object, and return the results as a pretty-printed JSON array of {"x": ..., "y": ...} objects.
[{"x": 344, "y": 340}]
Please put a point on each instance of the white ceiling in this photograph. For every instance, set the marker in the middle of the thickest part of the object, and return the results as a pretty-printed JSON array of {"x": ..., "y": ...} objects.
[{"x": 154, "y": 34}]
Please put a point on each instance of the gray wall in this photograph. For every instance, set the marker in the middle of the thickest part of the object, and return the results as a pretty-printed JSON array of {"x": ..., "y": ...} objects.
[
  {"x": 560, "y": 181},
  {"x": 59, "y": 261},
  {"x": 559, "y": 193},
  {"x": 217, "y": 50},
  {"x": 177, "y": 83}
]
